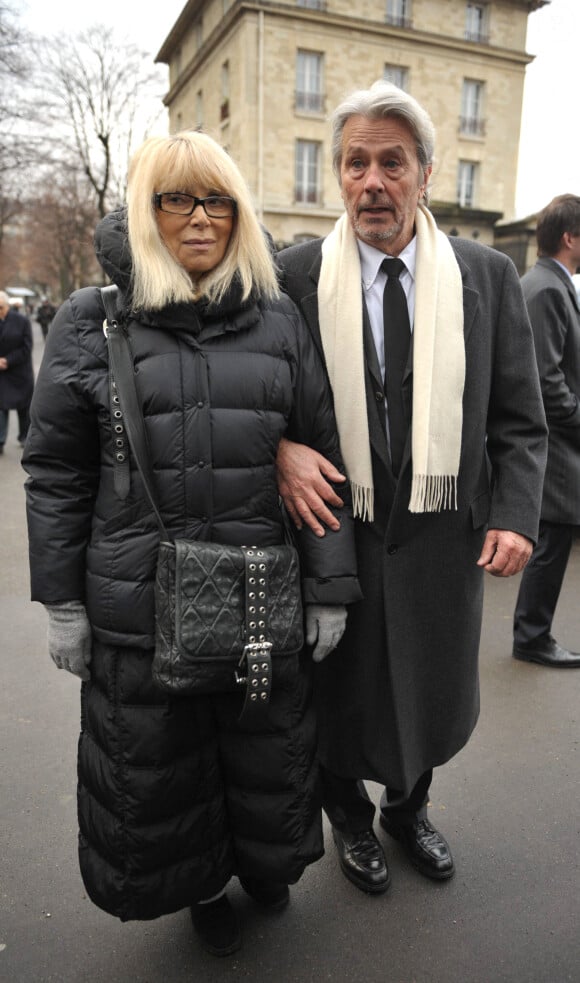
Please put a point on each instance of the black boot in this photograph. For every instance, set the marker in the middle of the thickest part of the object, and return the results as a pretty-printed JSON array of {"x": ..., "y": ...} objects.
[{"x": 217, "y": 926}]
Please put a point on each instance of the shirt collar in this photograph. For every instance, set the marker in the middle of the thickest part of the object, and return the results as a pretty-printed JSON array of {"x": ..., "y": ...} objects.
[
  {"x": 371, "y": 259},
  {"x": 562, "y": 267}
]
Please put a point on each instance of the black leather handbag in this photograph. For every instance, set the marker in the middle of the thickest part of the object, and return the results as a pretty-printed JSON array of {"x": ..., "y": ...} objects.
[{"x": 222, "y": 613}]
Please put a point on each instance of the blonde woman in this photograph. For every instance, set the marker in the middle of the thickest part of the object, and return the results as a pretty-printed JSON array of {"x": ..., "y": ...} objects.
[{"x": 175, "y": 798}]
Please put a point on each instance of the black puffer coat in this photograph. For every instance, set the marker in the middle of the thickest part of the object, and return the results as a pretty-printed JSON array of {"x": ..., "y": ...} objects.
[{"x": 173, "y": 797}]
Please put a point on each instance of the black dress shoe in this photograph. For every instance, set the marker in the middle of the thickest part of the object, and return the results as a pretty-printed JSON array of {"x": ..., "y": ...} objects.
[
  {"x": 270, "y": 894},
  {"x": 547, "y": 652},
  {"x": 217, "y": 926},
  {"x": 427, "y": 850},
  {"x": 362, "y": 860}
]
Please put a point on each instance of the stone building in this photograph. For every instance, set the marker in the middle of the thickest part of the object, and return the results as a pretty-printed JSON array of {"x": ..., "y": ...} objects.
[{"x": 262, "y": 75}]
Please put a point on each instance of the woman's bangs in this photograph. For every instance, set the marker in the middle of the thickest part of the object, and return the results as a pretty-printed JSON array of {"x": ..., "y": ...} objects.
[{"x": 187, "y": 168}]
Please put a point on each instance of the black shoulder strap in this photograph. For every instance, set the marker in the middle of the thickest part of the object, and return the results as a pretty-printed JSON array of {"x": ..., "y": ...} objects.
[{"x": 123, "y": 383}]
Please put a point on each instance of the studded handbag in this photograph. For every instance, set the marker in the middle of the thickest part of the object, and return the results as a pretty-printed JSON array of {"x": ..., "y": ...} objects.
[{"x": 224, "y": 615}]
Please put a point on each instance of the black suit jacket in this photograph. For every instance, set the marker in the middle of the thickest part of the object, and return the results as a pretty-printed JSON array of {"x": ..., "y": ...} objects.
[{"x": 555, "y": 316}]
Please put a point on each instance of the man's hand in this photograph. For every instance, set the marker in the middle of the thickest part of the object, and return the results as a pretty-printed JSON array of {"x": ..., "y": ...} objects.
[
  {"x": 302, "y": 474},
  {"x": 504, "y": 553},
  {"x": 3, "y": 364}
]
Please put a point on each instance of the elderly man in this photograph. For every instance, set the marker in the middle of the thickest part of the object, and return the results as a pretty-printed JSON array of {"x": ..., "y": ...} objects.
[
  {"x": 16, "y": 372},
  {"x": 431, "y": 359},
  {"x": 555, "y": 317}
]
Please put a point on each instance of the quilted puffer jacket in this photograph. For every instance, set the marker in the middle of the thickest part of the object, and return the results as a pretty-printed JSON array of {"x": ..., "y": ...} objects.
[
  {"x": 219, "y": 388},
  {"x": 173, "y": 798}
]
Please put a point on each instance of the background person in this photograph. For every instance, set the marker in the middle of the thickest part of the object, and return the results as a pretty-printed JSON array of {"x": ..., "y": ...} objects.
[
  {"x": 554, "y": 312},
  {"x": 44, "y": 315},
  {"x": 174, "y": 797},
  {"x": 16, "y": 371},
  {"x": 445, "y": 464}
]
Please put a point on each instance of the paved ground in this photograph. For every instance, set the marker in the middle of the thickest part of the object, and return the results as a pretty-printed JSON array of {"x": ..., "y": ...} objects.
[{"x": 509, "y": 804}]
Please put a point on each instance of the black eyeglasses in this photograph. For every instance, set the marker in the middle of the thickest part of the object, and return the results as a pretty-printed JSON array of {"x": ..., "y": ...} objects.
[{"x": 176, "y": 203}]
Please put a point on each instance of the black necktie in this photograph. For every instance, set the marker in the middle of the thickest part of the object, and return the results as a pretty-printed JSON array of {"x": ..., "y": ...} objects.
[{"x": 397, "y": 337}]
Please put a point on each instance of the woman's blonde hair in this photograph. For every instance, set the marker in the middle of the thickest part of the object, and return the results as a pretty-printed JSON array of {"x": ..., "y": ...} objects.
[{"x": 186, "y": 162}]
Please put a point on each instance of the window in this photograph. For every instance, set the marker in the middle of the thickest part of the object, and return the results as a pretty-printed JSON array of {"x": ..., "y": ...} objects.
[
  {"x": 199, "y": 110},
  {"x": 311, "y": 4},
  {"x": 225, "y": 96},
  {"x": 397, "y": 75},
  {"x": 307, "y": 171},
  {"x": 471, "y": 122},
  {"x": 475, "y": 22},
  {"x": 466, "y": 183},
  {"x": 309, "y": 81},
  {"x": 399, "y": 13}
]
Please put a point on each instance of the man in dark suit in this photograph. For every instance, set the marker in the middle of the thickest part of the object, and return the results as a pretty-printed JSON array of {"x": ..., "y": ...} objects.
[
  {"x": 553, "y": 308},
  {"x": 445, "y": 463}
]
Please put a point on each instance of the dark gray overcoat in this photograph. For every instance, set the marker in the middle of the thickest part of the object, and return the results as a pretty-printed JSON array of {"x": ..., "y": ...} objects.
[
  {"x": 400, "y": 695},
  {"x": 17, "y": 381},
  {"x": 555, "y": 317}
]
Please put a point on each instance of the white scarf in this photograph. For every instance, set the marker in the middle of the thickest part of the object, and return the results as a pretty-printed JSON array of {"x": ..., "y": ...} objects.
[{"x": 438, "y": 364}]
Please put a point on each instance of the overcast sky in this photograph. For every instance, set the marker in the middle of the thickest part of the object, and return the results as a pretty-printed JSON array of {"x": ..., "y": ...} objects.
[{"x": 550, "y": 139}]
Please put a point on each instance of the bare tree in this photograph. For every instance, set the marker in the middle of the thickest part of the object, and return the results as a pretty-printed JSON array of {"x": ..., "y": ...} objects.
[
  {"x": 15, "y": 148},
  {"x": 104, "y": 97},
  {"x": 62, "y": 216}
]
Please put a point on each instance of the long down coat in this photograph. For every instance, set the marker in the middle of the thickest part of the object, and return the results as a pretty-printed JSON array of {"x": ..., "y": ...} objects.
[
  {"x": 400, "y": 694},
  {"x": 174, "y": 797}
]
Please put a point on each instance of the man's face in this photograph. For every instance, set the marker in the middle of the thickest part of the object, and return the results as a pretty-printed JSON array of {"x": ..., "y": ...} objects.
[
  {"x": 4, "y": 308},
  {"x": 381, "y": 181}
]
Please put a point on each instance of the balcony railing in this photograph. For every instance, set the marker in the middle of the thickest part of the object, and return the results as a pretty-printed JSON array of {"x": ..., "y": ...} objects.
[
  {"x": 306, "y": 196},
  {"x": 471, "y": 126},
  {"x": 309, "y": 102},
  {"x": 477, "y": 37},
  {"x": 396, "y": 20}
]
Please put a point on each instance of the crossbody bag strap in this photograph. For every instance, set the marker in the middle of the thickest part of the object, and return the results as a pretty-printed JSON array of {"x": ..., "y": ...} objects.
[
  {"x": 257, "y": 654},
  {"x": 124, "y": 389}
]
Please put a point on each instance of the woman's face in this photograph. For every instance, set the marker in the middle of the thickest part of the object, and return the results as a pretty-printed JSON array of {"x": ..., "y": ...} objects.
[{"x": 198, "y": 241}]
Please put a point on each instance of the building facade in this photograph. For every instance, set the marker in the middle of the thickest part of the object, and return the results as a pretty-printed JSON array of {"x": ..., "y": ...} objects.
[{"x": 262, "y": 76}]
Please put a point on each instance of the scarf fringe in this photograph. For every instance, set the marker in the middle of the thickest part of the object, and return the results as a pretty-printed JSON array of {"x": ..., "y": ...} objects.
[
  {"x": 363, "y": 502},
  {"x": 434, "y": 492}
]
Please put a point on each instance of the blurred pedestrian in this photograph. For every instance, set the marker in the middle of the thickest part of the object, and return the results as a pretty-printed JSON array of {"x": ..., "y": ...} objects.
[
  {"x": 16, "y": 372},
  {"x": 554, "y": 311},
  {"x": 44, "y": 315}
]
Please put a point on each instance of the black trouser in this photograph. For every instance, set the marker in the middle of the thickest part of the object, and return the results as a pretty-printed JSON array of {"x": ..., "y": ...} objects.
[
  {"x": 541, "y": 583},
  {"x": 347, "y": 805},
  {"x": 23, "y": 424}
]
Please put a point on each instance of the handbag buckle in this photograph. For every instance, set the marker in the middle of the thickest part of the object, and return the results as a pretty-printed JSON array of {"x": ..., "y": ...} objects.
[{"x": 255, "y": 649}]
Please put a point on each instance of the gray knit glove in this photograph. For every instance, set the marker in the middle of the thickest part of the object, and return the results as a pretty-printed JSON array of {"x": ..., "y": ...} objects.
[
  {"x": 325, "y": 624},
  {"x": 69, "y": 637}
]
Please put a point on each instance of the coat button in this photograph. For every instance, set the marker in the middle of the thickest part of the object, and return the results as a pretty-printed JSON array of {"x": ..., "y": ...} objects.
[
  {"x": 392, "y": 548},
  {"x": 379, "y": 396}
]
